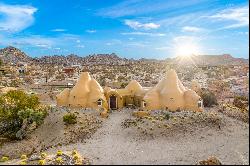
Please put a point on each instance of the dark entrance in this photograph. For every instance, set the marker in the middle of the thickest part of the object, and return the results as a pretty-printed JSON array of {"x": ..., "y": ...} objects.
[{"x": 112, "y": 102}]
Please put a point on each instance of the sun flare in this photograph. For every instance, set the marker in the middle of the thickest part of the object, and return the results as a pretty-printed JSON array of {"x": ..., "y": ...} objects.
[{"x": 186, "y": 50}]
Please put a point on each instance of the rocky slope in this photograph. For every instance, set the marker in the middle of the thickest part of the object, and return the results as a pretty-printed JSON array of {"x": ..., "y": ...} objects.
[
  {"x": 212, "y": 60},
  {"x": 13, "y": 55}
]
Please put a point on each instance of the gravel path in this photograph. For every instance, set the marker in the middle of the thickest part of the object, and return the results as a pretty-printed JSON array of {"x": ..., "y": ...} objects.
[{"x": 113, "y": 145}]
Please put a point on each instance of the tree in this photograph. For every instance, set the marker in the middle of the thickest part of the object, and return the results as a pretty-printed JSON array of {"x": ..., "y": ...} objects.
[
  {"x": 18, "y": 109},
  {"x": 209, "y": 98}
]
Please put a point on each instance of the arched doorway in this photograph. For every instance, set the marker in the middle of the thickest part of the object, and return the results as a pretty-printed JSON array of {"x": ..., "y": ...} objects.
[{"x": 113, "y": 102}]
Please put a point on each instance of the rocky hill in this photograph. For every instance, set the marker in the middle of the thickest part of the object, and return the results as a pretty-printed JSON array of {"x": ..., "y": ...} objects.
[
  {"x": 59, "y": 59},
  {"x": 108, "y": 59},
  {"x": 211, "y": 60},
  {"x": 13, "y": 55}
]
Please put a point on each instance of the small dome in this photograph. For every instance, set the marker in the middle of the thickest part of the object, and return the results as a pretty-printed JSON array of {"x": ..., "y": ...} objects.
[{"x": 133, "y": 86}]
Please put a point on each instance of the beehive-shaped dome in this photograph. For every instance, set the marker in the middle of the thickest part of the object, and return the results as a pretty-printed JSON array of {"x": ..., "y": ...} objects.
[
  {"x": 96, "y": 92},
  {"x": 79, "y": 93},
  {"x": 133, "y": 86},
  {"x": 107, "y": 89},
  {"x": 62, "y": 98},
  {"x": 152, "y": 99},
  {"x": 191, "y": 100},
  {"x": 171, "y": 93},
  {"x": 195, "y": 86}
]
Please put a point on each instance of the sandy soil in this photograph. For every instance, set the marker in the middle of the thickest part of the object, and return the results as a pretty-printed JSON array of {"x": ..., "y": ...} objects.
[
  {"x": 53, "y": 133},
  {"x": 112, "y": 144}
]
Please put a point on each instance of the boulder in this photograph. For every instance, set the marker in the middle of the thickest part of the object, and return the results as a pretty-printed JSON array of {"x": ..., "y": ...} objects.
[{"x": 210, "y": 161}]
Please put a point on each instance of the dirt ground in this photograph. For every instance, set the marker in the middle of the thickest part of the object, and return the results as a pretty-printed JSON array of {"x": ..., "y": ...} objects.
[
  {"x": 113, "y": 144},
  {"x": 53, "y": 133}
]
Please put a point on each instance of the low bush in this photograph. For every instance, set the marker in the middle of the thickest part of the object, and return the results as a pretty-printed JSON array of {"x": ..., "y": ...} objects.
[
  {"x": 18, "y": 111},
  {"x": 70, "y": 118},
  {"x": 209, "y": 98},
  {"x": 4, "y": 159},
  {"x": 166, "y": 115},
  {"x": 240, "y": 102}
]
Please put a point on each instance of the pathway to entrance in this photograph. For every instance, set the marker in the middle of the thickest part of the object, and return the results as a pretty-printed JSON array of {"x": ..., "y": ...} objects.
[{"x": 113, "y": 145}]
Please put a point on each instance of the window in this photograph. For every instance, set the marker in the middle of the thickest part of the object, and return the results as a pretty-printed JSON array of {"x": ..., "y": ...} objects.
[
  {"x": 99, "y": 102},
  {"x": 144, "y": 104},
  {"x": 200, "y": 103}
]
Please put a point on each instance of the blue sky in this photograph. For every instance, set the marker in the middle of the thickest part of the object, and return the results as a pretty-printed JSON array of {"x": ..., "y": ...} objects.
[{"x": 131, "y": 28}]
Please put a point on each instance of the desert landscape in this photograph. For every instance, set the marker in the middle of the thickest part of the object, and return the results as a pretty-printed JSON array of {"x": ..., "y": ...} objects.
[
  {"x": 185, "y": 138},
  {"x": 135, "y": 82}
]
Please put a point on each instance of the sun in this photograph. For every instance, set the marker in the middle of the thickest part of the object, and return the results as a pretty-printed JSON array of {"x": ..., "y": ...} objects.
[{"x": 186, "y": 50}]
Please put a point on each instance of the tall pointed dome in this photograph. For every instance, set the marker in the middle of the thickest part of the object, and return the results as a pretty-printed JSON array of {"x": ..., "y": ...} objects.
[
  {"x": 79, "y": 93},
  {"x": 62, "y": 98},
  {"x": 96, "y": 93},
  {"x": 171, "y": 93},
  {"x": 195, "y": 86}
]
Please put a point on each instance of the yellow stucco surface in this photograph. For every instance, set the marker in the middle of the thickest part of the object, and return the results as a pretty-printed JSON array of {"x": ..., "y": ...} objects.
[{"x": 169, "y": 94}]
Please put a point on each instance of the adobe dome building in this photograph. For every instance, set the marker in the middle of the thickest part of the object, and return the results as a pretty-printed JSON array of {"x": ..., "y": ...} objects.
[
  {"x": 168, "y": 94},
  {"x": 87, "y": 93},
  {"x": 196, "y": 87}
]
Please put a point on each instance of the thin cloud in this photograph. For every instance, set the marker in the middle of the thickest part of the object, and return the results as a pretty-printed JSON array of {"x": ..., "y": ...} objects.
[
  {"x": 141, "y": 7},
  {"x": 91, "y": 31},
  {"x": 145, "y": 34},
  {"x": 239, "y": 16},
  {"x": 136, "y": 44},
  {"x": 80, "y": 46},
  {"x": 163, "y": 48},
  {"x": 191, "y": 29},
  {"x": 16, "y": 17},
  {"x": 137, "y": 25},
  {"x": 58, "y": 30}
]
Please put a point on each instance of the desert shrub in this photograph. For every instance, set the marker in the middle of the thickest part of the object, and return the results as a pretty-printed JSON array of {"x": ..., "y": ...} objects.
[
  {"x": 209, "y": 98},
  {"x": 69, "y": 118},
  {"x": 240, "y": 102},
  {"x": 123, "y": 84},
  {"x": 59, "y": 153},
  {"x": 166, "y": 115},
  {"x": 4, "y": 159},
  {"x": 41, "y": 162},
  {"x": 18, "y": 110}
]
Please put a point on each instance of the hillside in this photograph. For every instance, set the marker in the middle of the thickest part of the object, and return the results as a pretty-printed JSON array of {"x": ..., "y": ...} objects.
[
  {"x": 13, "y": 55},
  {"x": 210, "y": 60}
]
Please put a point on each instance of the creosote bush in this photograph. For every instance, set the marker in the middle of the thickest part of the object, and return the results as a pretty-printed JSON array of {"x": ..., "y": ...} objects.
[
  {"x": 240, "y": 102},
  {"x": 4, "y": 159},
  {"x": 209, "y": 98},
  {"x": 69, "y": 118},
  {"x": 18, "y": 110}
]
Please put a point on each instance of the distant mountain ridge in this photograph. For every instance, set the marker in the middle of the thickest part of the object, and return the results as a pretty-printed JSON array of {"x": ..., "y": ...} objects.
[
  {"x": 13, "y": 55},
  {"x": 212, "y": 60}
]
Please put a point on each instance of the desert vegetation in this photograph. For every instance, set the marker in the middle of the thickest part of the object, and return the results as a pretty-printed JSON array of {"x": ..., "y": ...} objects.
[
  {"x": 59, "y": 158},
  {"x": 19, "y": 114}
]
